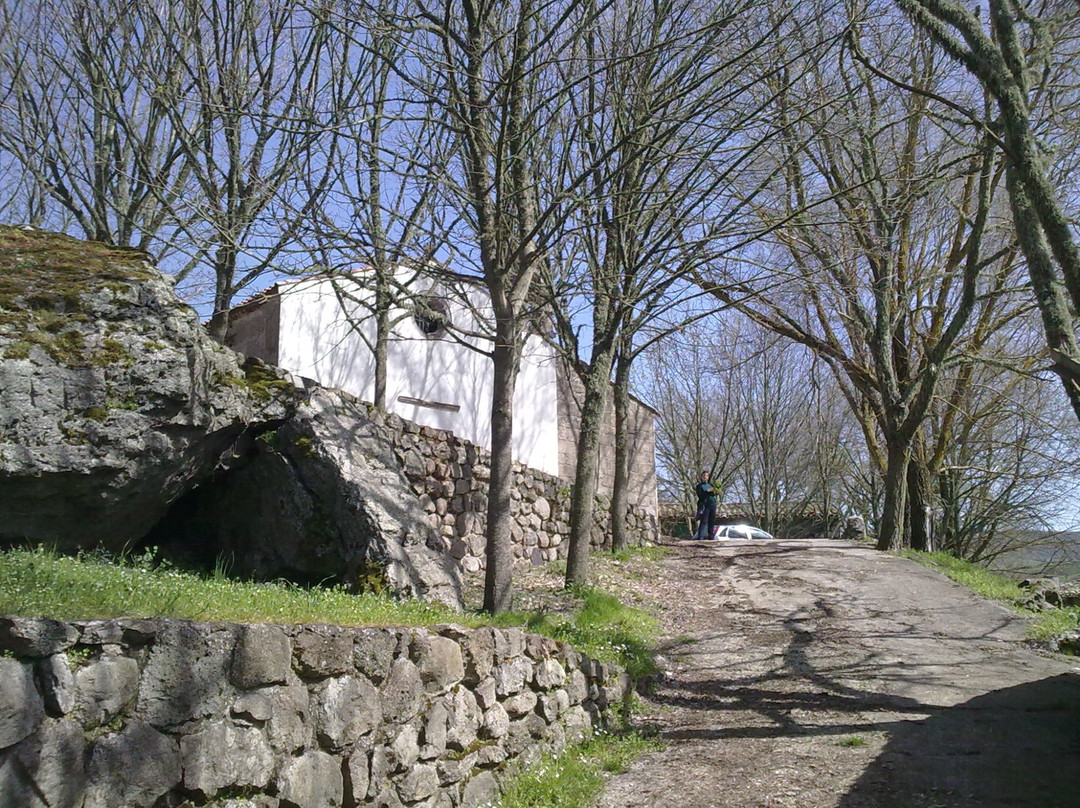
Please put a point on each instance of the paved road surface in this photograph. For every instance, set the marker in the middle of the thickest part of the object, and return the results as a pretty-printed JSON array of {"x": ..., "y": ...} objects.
[{"x": 820, "y": 673}]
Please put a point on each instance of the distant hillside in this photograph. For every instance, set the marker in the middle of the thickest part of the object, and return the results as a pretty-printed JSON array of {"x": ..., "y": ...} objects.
[{"x": 1056, "y": 554}]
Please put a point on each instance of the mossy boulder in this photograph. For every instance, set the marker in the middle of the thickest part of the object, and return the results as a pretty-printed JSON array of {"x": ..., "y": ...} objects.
[{"x": 114, "y": 402}]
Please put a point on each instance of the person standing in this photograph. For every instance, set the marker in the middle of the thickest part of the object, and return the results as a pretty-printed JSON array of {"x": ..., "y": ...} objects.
[{"x": 706, "y": 503}]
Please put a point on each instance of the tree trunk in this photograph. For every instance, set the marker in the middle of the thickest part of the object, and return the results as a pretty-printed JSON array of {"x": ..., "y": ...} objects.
[
  {"x": 498, "y": 586},
  {"x": 920, "y": 499},
  {"x": 382, "y": 336},
  {"x": 583, "y": 494},
  {"x": 620, "y": 484},
  {"x": 891, "y": 529},
  {"x": 224, "y": 272}
]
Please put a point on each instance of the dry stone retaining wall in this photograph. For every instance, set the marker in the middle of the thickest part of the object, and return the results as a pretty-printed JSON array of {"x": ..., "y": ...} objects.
[
  {"x": 451, "y": 476},
  {"x": 162, "y": 712}
]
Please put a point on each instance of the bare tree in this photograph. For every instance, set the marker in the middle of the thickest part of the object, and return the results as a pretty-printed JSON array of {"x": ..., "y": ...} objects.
[
  {"x": 187, "y": 129},
  {"x": 488, "y": 72},
  {"x": 775, "y": 425},
  {"x": 95, "y": 143},
  {"x": 252, "y": 104},
  {"x": 880, "y": 283},
  {"x": 377, "y": 230},
  {"x": 1019, "y": 56},
  {"x": 662, "y": 115}
]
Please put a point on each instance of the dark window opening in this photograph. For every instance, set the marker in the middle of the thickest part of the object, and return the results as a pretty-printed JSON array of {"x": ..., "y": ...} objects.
[{"x": 432, "y": 316}]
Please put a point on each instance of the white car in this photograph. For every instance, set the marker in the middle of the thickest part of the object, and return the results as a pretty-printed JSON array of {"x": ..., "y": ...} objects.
[{"x": 744, "y": 532}]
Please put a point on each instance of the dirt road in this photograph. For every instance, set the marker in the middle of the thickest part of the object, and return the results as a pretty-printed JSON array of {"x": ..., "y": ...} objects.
[{"x": 820, "y": 673}]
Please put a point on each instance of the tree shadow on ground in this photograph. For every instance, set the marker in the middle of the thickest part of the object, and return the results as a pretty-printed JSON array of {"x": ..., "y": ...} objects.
[{"x": 1011, "y": 748}]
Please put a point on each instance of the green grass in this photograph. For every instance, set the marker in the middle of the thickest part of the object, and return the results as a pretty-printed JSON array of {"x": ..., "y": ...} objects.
[
  {"x": 40, "y": 582},
  {"x": 1045, "y": 624},
  {"x": 978, "y": 579},
  {"x": 652, "y": 552},
  {"x": 574, "y": 779},
  {"x": 602, "y": 627},
  {"x": 1052, "y": 622},
  {"x": 852, "y": 742}
]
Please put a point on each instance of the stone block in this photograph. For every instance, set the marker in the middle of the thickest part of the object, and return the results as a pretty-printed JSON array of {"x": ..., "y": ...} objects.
[
  {"x": 539, "y": 647},
  {"x": 480, "y": 790},
  {"x": 485, "y": 693},
  {"x": 510, "y": 677},
  {"x": 577, "y": 724},
  {"x": 261, "y": 657},
  {"x": 49, "y": 763},
  {"x": 479, "y": 651},
  {"x": 186, "y": 675},
  {"x": 454, "y": 770},
  {"x": 105, "y": 688},
  {"x": 21, "y": 708},
  {"x": 421, "y": 782},
  {"x": 404, "y": 749},
  {"x": 99, "y": 632},
  {"x": 577, "y": 687},
  {"x": 313, "y": 780},
  {"x": 35, "y": 636},
  {"x": 289, "y": 727},
  {"x": 549, "y": 674},
  {"x": 252, "y": 709},
  {"x": 319, "y": 654},
  {"x": 490, "y": 757},
  {"x": 520, "y": 704},
  {"x": 374, "y": 652},
  {"x": 57, "y": 684},
  {"x": 132, "y": 768},
  {"x": 402, "y": 693},
  {"x": 509, "y": 643},
  {"x": 523, "y": 733},
  {"x": 440, "y": 662},
  {"x": 542, "y": 508},
  {"x": 348, "y": 709},
  {"x": 434, "y": 731},
  {"x": 222, "y": 756},
  {"x": 465, "y": 720},
  {"x": 380, "y": 770},
  {"x": 358, "y": 777},
  {"x": 549, "y": 708},
  {"x": 496, "y": 722}
]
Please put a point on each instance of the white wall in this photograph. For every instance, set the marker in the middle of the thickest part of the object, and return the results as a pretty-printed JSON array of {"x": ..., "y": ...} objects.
[{"x": 318, "y": 341}]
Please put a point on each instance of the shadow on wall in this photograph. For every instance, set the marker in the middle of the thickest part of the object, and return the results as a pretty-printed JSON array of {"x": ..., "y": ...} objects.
[{"x": 1012, "y": 748}]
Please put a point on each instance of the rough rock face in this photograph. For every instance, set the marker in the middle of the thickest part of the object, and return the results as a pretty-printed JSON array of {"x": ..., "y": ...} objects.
[
  {"x": 113, "y": 400},
  {"x": 122, "y": 422},
  {"x": 287, "y": 716},
  {"x": 322, "y": 497}
]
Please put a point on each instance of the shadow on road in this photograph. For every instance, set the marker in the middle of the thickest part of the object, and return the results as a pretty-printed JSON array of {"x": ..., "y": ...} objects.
[{"x": 1011, "y": 748}]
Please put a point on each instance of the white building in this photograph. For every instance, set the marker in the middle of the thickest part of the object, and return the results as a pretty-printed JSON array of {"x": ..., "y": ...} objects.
[{"x": 438, "y": 371}]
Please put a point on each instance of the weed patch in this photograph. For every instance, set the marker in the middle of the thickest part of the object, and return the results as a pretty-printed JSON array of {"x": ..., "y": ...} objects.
[{"x": 574, "y": 779}]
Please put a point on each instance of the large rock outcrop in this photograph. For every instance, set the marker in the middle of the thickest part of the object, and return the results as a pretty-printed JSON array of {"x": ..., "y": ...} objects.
[
  {"x": 122, "y": 422},
  {"x": 113, "y": 400},
  {"x": 323, "y": 497}
]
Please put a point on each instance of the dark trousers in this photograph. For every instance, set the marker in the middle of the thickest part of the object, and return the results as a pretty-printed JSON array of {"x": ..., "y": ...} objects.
[{"x": 706, "y": 522}]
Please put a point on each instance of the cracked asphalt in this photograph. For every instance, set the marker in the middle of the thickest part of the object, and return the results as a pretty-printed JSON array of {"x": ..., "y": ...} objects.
[{"x": 824, "y": 674}]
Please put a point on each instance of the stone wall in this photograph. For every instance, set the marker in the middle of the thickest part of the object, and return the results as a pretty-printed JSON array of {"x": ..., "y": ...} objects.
[
  {"x": 451, "y": 477},
  {"x": 172, "y": 713}
]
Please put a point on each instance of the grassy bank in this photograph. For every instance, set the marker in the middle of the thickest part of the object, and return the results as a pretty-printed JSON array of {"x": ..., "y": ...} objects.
[
  {"x": 575, "y": 778},
  {"x": 1045, "y": 624},
  {"x": 40, "y": 582}
]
